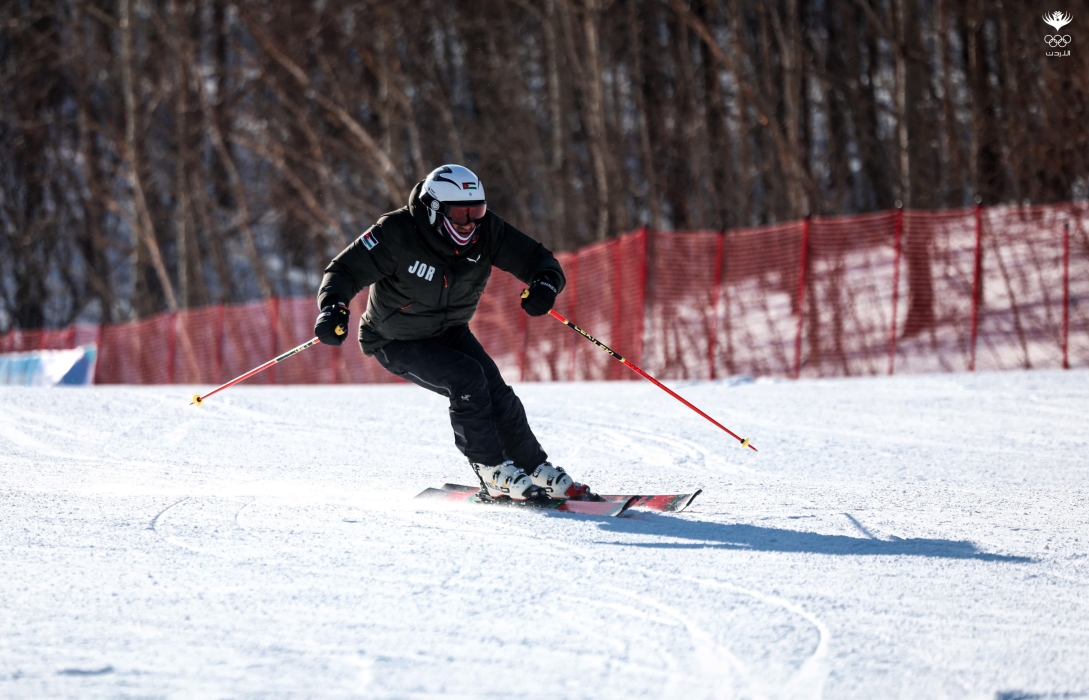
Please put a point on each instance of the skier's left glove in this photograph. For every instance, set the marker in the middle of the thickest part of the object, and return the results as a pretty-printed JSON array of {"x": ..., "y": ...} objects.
[
  {"x": 332, "y": 324},
  {"x": 541, "y": 295}
]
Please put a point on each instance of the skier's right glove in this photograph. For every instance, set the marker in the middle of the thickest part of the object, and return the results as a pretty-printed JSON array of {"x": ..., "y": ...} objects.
[{"x": 332, "y": 324}]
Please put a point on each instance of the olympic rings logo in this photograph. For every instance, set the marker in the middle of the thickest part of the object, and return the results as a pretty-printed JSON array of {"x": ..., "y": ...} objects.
[{"x": 1056, "y": 41}]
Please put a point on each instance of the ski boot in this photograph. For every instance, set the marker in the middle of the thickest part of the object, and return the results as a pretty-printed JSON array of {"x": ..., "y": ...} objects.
[
  {"x": 505, "y": 481},
  {"x": 558, "y": 484}
]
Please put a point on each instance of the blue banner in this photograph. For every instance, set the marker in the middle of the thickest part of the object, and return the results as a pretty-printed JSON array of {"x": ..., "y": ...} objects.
[{"x": 49, "y": 367}]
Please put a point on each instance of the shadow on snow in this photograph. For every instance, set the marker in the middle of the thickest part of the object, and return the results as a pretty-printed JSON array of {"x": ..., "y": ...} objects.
[{"x": 768, "y": 539}]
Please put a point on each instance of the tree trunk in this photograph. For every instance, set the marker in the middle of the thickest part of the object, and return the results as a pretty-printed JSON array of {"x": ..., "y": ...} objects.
[
  {"x": 144, "y": 229},
  {"x": 595, "y": 118},
  {"x": 918, "y": 240}
]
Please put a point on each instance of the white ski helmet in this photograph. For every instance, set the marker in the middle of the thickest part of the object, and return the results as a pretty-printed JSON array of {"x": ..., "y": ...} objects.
[{"x": 455, "y": 192}]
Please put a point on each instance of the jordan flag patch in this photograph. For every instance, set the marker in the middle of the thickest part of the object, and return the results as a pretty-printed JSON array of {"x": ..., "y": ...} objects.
[{"x": 369, "y": 240}]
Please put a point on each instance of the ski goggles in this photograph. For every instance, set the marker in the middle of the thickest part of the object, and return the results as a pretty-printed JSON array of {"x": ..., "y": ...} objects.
[{"x": 464, "y": 214}]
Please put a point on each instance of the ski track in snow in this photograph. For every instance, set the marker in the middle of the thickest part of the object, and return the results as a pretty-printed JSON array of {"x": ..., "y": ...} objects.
[
  {"x": 809, "y": 679},
  {"x": 719, "y": 664},
  {"x": 895, "y": 537}
]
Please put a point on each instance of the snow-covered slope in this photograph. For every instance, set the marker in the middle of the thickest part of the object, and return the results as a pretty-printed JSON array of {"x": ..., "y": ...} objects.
[{"x": 907, "y": 537}]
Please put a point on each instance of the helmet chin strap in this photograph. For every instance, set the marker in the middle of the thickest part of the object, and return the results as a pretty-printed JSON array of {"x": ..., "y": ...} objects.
[{"x": 458, "y": 238}]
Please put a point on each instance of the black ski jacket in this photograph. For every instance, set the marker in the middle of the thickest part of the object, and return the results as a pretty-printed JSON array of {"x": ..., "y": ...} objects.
[{"x": 421, "y": 283}]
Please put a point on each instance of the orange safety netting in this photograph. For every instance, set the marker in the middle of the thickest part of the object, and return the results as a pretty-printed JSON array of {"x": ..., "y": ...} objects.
[{"x": 994, "y": 288}]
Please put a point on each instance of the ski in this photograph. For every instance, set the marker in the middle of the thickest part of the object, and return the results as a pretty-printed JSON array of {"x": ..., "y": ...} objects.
[
  {"x": 664, "y": 503},
  {"x": 467, "y": 494}
]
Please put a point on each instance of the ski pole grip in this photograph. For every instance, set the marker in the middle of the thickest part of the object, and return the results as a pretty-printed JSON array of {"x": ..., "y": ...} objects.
[
  {"x": 525, "y": 293},
  {"x": 339, "y": 330}
]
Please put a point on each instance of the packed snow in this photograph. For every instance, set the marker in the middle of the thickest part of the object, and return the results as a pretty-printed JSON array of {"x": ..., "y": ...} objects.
[{"x": 903, "y": 537}]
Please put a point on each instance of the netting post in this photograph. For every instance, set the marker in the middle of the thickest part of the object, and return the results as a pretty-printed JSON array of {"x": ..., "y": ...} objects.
[
  {"x": 645, "y": 239},
  {"x": 716, "y": 284},
  {"x": 98, "y": 348},
  {"x": 573, "y": 285},
  {"x": 172, "y": 349},
  {"x": 1066, "y": 295},
  {"x": 274, "y": 313},
  {"x": 221, "y": 341},
  {"x": 802, "y": 267},
  {"x": 618, "y": 310},
  {"x": 898, "y": 231},
  {"x": 976, "y": 281}
]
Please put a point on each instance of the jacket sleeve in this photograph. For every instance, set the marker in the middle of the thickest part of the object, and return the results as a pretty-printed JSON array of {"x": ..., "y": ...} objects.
[
  {"x": 523, "y": 257},
  {"x": 368, "y": 259}
]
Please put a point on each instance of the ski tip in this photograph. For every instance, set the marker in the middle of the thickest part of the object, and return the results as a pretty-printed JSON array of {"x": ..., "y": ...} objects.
[{"x": 692, "y": 498}]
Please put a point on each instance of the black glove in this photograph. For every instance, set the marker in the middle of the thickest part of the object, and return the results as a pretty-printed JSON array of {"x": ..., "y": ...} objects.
[
  {"x": 332, "y": 324},
  {"x": 539, "y": 298}
]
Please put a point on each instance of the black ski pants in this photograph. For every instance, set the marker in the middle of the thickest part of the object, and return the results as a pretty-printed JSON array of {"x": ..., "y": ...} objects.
[{"x": 489, "y": 421}]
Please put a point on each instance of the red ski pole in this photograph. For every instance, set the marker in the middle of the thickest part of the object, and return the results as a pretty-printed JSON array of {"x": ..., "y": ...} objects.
[
  {"x": 744, "y": 441},
  {"x": 199, "y": 400}
]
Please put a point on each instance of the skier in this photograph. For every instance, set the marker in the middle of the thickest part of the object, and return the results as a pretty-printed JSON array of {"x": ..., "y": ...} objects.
[{"x": 427, "y": 265}]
